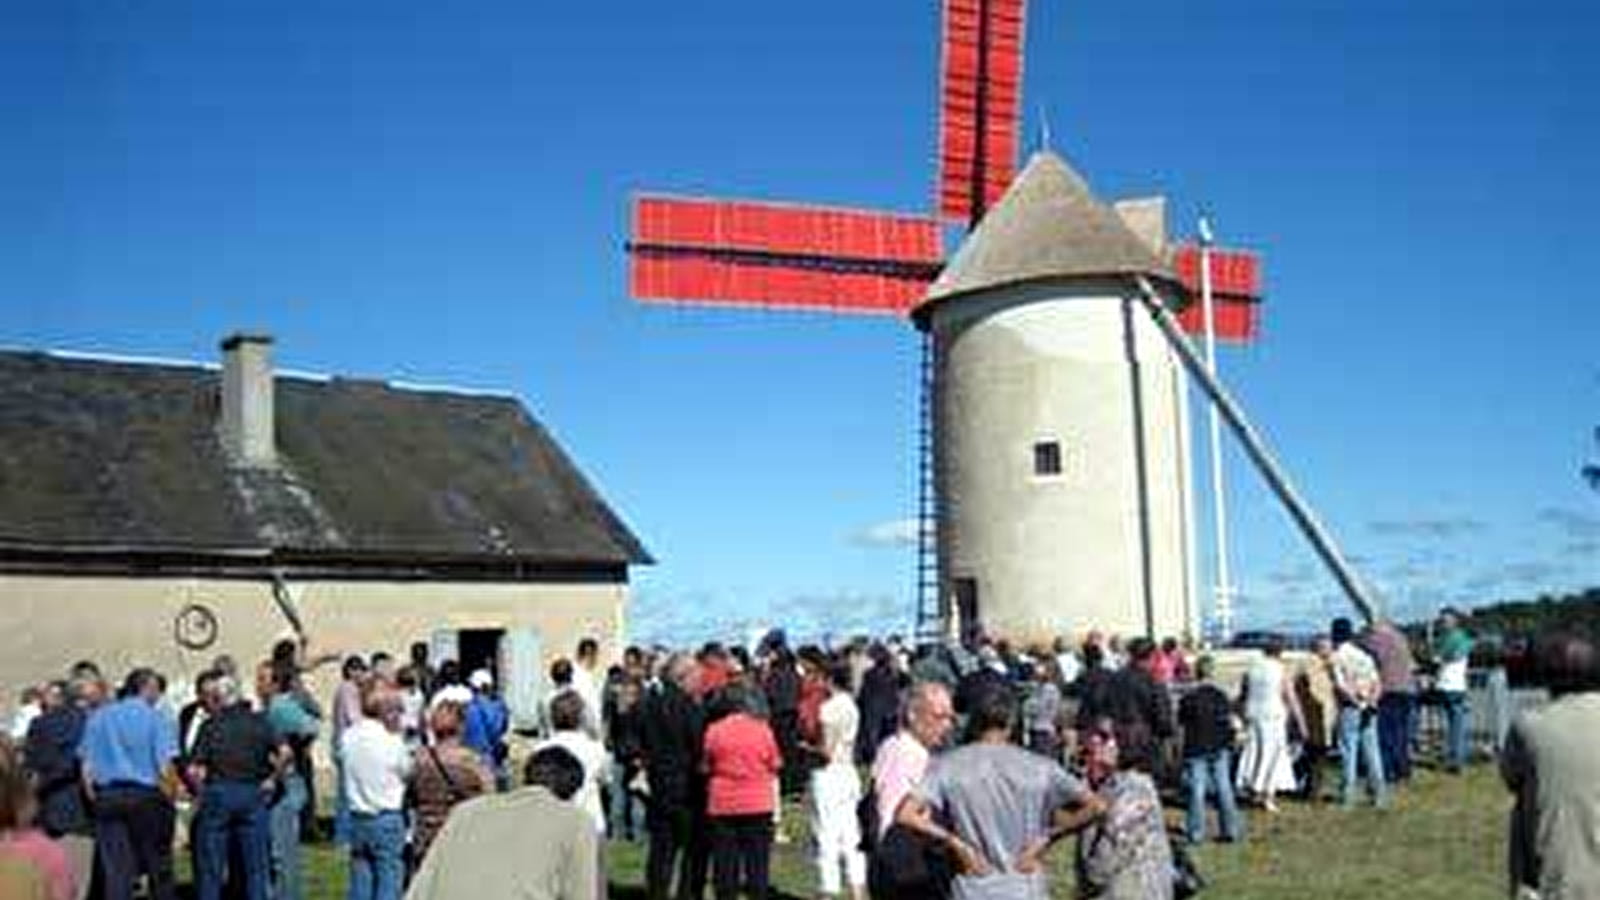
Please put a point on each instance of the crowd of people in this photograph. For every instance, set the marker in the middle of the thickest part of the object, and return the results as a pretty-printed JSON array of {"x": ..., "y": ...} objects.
[{"x": 947, "y": 770}]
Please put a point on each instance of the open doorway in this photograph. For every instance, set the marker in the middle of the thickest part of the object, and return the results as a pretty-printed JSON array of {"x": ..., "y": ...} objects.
[
  {"x": 480, "y": 649},
  {"x": 514, "y": 656},
  {"x": 966, "y": 591}
]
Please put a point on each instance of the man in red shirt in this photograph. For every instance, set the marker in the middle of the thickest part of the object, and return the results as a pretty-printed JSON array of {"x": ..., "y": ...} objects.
[{"x": 741, "y": 760}]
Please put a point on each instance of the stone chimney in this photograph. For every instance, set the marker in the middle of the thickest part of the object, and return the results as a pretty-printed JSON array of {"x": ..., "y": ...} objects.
[
  {"x": 1146, "y": 217},
  {"x": 247, "y": 394}
]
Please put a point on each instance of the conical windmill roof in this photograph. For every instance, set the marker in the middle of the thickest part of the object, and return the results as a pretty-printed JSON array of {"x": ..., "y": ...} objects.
[{"x": 1048, "y": 225}]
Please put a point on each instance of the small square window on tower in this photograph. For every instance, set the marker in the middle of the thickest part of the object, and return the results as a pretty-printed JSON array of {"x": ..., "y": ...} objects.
[{"x": 1047, "y": 458}]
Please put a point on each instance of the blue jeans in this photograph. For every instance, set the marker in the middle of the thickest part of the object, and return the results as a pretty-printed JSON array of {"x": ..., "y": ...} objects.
[
  {"x": 1457, "y": 729},
  {"x": 231, "y": 812},
  {"x": 627, "y": 811},
  {"x": 132, "y": 837},
  {"x": 287, "y": 880},
  {"x": 1358, "y": 743},
  {"x": 1212, "y": 773},
  {"x": 376, "y": 844},
  {"x": 341, "y": 802}
]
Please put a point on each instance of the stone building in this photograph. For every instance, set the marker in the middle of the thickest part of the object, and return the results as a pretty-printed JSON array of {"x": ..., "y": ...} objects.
[{"x": 162, "y": 513}]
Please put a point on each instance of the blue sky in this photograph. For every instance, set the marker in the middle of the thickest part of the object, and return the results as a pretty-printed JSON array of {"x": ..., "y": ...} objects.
[{"x": 437, "y": 192}]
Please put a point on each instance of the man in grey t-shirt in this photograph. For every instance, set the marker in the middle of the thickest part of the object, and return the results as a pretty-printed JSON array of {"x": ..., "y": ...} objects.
[{"x": 1004, "y": 807}]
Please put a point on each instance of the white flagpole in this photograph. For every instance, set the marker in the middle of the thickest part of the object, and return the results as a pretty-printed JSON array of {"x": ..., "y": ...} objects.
[{"x": 1223, "y": 611}]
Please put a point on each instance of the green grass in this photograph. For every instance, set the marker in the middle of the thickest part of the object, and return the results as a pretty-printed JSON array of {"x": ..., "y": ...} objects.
[{"x": 1444, "y": 839}]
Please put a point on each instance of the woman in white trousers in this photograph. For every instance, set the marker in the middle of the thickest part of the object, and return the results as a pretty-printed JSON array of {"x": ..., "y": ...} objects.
[{"x": 835, "y": 792}]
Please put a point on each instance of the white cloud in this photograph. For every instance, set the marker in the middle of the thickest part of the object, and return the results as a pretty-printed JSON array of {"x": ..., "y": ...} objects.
[{"x": 893, "y": 533}]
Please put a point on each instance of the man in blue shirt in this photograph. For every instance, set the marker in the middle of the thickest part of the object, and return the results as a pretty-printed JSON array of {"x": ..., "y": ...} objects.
[
  {"x": 127, "y": 753},
  {"x": 485, "y": 727}
]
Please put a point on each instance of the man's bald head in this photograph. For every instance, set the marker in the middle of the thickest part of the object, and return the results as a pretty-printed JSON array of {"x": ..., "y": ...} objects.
[{"x": 930, "y": 713}]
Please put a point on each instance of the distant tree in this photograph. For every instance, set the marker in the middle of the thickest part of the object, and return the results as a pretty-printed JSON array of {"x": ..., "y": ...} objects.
[{"x": 1507, "y": 630}]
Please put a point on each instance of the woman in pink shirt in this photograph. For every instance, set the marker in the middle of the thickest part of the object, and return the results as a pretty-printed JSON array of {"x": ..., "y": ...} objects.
[
  {"x": 20, "y": 842},
  {"x": 742, "y": 762}
]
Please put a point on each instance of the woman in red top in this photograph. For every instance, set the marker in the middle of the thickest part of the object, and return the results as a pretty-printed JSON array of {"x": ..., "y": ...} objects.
[{"x": 742, "y": 762}]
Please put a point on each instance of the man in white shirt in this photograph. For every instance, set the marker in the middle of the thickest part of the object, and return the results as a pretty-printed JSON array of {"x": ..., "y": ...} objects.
[
  {"x": 902, "y": 759},
  {"x": 376, "y": 766},
  {"x": 27, "y": 711},
  {"x": 566, "y": 721},
  {"x": 1067, "y": 662},
  {"x": 899, "y": 863},
  {"x": 1357, "y": 685}
]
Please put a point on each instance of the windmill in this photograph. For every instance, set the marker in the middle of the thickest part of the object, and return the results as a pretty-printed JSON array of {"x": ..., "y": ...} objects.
[{"x": 1108, "y": 519}]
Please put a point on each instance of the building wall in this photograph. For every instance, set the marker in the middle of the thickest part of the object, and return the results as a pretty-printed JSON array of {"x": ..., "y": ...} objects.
[
  {"x": 1062, "y": 554},
  {"x": 49, "y": 622}
]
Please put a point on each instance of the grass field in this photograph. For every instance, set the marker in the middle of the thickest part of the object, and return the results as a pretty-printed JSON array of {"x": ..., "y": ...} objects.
[{"x": 1443, "y": 840}]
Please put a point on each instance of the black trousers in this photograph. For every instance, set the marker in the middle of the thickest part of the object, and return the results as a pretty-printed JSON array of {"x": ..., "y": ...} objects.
[
  {"x": 677, "y": 844},
  {"x": 907, "y": 866},
  {"x": 133, "y": 837},
  {"x": 1308, "y": 769},
  {"x": 741, "y": 849}
]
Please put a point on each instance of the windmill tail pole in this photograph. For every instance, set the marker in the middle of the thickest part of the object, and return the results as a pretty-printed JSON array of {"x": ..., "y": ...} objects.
[
  {"x": 286, "y": 605},
  {"x": 1303, "y": 517}
]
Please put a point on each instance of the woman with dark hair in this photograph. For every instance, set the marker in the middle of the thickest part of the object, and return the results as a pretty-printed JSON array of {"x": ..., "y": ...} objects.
[
  {"x": 742, "y": 763},
  {"x": 810, "y": 668},
  {"x": 27, "y": 855},
  {"x": 444, "y": 774},
  {"x": 1123, "y": 855}
]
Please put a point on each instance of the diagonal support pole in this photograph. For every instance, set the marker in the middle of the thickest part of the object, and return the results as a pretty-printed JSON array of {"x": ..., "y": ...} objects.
[{"x": 1257, "y": 450}]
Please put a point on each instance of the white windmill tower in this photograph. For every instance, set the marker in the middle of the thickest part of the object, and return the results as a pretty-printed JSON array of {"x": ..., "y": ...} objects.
[{"x": 1061, "y": 425}]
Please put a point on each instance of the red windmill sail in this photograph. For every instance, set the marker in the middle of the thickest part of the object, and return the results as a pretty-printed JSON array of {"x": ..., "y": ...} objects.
[
  {"x": 746, "y": 253},
  {"x": 979, "y": 94},
  {"x": 1235, "y": 292}
]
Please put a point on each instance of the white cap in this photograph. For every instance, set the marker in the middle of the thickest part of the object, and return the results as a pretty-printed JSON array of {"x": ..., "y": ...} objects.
[
  {"x": 454, "y": 693},
  {"x": 481, "y": 679}
]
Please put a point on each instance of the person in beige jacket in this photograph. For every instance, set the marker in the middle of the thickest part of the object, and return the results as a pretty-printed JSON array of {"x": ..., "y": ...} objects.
[
  {"x": 1551, "y": 766},
  {"x": 1313, "y": 687},
  {"x": 532, "y": 843}
]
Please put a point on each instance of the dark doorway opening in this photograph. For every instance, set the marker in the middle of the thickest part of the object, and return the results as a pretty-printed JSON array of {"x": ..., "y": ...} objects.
[
  {"x": 966, "y": 591},
  {"x": 480, "y": 649}
]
